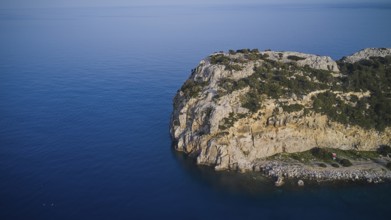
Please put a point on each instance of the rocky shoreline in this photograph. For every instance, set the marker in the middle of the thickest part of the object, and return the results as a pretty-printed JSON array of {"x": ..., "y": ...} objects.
[{"x": 362, "y": 171}]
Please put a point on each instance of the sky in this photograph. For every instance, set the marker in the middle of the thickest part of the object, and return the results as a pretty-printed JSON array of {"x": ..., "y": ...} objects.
[{"x": 111, "y": 3}]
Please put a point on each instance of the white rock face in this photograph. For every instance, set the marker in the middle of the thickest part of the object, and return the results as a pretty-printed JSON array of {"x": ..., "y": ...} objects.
[
  {"x": 366, "y": 54},
  {"x": 196, "y": 121},
  {"x": 313, "y": 61}
]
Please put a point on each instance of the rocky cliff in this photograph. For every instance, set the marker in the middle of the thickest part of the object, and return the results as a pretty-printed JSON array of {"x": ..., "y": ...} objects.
[{"x": 240, "y": 107}]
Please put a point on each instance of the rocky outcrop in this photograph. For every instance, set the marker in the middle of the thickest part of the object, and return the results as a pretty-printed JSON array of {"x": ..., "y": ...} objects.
[
  {"x": 302, "y": 59},
  {"x": 366, "y": 54},
  {"x": 214, "y": 119}
]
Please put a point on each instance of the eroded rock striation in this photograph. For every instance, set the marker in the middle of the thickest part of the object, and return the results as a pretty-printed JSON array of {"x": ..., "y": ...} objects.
[{"x": 240, "y": 107}]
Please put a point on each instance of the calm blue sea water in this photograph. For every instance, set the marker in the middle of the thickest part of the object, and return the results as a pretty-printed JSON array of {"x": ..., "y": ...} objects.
[{"x": 86, "y": 96}]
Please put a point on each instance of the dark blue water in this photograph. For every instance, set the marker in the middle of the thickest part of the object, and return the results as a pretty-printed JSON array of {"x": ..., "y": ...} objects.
[{"x": 86, "y": 96}]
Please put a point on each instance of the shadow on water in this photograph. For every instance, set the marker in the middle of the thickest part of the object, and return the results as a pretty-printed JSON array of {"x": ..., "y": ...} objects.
[
  {"x": 225, "y": 181},
  {"x": 233, "y": 182}
]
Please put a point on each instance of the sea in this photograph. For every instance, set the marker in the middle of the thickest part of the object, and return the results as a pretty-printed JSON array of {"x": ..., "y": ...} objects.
[{"x": 86, "y": 96}]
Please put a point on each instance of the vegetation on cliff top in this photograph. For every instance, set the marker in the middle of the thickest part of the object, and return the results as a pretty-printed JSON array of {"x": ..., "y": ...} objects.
[
  {"x": 230, "y": 64},
  {"x": 274, "y": 79},
  {"x": 282, "y": 80},
  {"x": 373, "y": 75}
]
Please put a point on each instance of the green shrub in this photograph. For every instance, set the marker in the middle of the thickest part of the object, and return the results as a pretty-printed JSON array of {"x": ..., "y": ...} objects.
[
  {"x": 252, "y": 56},
  {"x": 345, "y": 162},
  {"x": 273, "y": 90},
  {"x": 232, "y": 52},
  {"x": 292, "y": 108},
  {"x": 235, "y": 67},
  {"x": 335, "y": 165},
  {"x": 219, "y": 59},
  {"x": 230, "y": 85},
  {"x": 229, "y": 121},
  {"x": 353, "y": 98},
  {"x": 245, "y": 51},
  {"x": 192, "y": 88},
  {"x": 323, "y": 76},
  {"x": 321, "y": 153},
  {"x": 322, "y": 165},
  {"x": 251, "y": 101},
  {"x": 388, "y": 165},
  {"x": 176, "y": 122},
  {"x": 295, "y": 58},
  {"x": 263, "y": 56},
  {"x": 384, "y": 150}
]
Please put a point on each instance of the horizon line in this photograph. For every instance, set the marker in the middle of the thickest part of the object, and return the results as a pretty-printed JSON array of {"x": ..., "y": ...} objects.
[{"x": 384, "y": 5}]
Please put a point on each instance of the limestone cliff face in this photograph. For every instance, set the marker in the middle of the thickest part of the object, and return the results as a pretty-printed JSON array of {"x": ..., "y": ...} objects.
[{"x": 215, "y": 125}]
